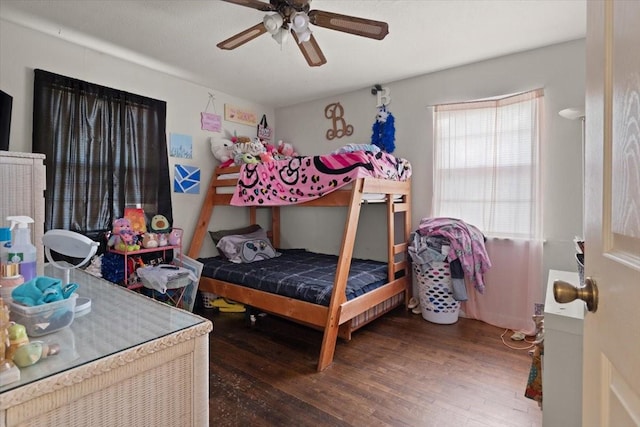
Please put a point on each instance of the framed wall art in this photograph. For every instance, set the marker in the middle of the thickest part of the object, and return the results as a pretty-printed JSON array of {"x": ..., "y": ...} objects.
[{"x": 240, "y": 115}]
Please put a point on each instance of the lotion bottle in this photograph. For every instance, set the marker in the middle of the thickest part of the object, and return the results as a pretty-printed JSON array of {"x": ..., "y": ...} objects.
[
  {"x": 5, "y": 244},
  {"x": 22, "y": 250}
]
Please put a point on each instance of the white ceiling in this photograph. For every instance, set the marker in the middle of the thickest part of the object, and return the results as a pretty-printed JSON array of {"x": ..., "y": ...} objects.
[{"x": 180, "y": 37}]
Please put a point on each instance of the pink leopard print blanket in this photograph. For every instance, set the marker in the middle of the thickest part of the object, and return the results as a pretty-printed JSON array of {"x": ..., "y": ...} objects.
[{"x": 301, "y": 179}]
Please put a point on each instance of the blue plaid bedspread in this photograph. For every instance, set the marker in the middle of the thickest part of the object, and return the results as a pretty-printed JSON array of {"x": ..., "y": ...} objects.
[{"x": 298, "y": 274}]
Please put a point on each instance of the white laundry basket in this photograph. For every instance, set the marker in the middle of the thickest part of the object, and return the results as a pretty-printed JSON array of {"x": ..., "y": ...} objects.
[{"x": 436, "y": 293}]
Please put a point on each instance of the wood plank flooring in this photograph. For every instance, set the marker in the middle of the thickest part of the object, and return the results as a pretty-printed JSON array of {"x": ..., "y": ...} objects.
[{"x": 399, "y": 370}]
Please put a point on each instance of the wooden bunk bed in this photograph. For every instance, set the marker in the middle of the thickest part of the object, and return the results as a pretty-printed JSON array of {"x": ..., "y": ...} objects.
[{"x": 341, "y": 317}]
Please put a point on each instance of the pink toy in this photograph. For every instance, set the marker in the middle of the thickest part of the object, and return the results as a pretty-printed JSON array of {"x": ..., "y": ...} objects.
[
  {"x": 162, "y": 239},
  {"x": 122, "y": 237},
  {"x": 175, "y": 237},
  {"x": 286, "y": 149},
  {"x": 120, "y": 225}
]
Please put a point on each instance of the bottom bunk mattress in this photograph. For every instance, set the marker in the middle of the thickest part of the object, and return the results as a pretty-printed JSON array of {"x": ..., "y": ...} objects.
[{"x": 298, "y": 274}]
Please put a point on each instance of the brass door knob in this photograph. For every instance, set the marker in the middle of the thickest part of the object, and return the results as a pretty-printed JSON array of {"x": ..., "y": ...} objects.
[{"x": 565, "y": 292}]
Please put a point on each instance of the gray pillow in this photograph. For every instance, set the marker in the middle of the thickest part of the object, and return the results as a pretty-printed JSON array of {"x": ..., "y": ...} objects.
[
  {"x": 246, "y": 248},
  {"x": 217, "y": 235}
]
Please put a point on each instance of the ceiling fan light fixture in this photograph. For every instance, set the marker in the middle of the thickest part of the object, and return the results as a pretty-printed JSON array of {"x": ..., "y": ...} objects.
[
  {"x": 281, "y": 36},
  {"x": 273, "y": 23},
  {"x": 304, "y": 35},
  {"x": 292, "y": 18},
  {"x": 299, "y": 22}
]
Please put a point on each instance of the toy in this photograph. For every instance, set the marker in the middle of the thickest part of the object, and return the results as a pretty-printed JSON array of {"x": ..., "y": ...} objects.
[
  {"x": 242, "y": 158},
  {"x": 223, "y": 151},
  {"x": 160, "y": 224},
  {"x": 239, "y": 139},
  {"x": 384, "y": 131},
  {"x": 30, "y": 353},
  {"x": 149, "y": 240},
  {"x": 286, "y": 149},
  {"x": 268, "y": 155},
  {"x": 128, "y": 241},
  {"x": 175, "y": 237},
  {"x": 162, "y": 239},
  {"x": 121, "y": 234},
  {"x": 254, "y": 147},
  {"x": 17, "y": 337}
]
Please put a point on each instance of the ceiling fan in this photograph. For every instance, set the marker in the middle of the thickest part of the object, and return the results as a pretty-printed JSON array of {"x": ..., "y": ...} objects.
[{"x": 293, "y": 17}]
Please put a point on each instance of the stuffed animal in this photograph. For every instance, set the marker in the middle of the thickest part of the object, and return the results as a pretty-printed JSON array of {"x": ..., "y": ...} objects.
[
  {"x": 121, "y": 233},
  {"x": 162, "y": 239},
  {"x": 254, "y": 147},
  {"x": 128, "y": 241},
  {"x": 175, "y": 237},
  {"x": 286, "y": 149},
  {"x": 240, "y": 139},
  {"x": 268, "y": 155},
  {"x": 160, "y": 224},
  {"x": 247, "y": 158},
  {"x": 384, "y": 131},
  {"x": 149, "y": 240},
  {"x": 222, "y": 150}
]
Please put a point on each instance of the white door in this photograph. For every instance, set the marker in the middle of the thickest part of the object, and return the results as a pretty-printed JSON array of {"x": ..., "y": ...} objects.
[{"x": 611, "y": 385}]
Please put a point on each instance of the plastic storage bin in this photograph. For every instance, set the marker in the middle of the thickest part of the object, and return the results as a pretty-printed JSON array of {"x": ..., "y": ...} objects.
[
  {"x": 46, "y": 318},
  {"x": 436, "y": 295}
]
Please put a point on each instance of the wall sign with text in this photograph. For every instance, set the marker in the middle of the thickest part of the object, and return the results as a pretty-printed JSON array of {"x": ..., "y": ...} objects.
[{"x": 239, "y": 115}]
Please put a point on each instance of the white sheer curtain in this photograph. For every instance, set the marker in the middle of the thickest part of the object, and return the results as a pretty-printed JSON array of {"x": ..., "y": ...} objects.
[{"x": 487, "y": 173}]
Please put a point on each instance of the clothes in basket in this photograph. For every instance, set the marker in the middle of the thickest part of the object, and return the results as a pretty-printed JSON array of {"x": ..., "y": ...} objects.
[{"x": 437, "y": 303}]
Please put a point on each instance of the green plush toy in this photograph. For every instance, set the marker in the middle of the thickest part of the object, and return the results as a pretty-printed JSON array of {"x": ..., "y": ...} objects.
[{"x": 160, "y": 224}]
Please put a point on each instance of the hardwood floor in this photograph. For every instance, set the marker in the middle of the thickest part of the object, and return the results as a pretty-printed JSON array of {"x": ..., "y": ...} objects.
[{"x": 399, "y": 370}]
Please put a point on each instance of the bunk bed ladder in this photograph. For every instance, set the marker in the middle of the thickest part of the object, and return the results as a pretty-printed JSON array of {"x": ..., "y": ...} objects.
[{"x": 338, "y": 296}]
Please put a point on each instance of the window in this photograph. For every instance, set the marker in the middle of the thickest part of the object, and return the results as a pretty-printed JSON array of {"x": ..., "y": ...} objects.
[
  {"x": 105, "y": 150},
  {"x": 486, "y": 164}
]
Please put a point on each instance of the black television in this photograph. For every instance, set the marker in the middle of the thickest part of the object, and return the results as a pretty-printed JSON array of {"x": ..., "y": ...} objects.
[{"x": 6, "y": 102}]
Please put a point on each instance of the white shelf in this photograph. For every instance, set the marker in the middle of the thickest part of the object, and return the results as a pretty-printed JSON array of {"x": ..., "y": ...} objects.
[{"x": 562, "y": 361}]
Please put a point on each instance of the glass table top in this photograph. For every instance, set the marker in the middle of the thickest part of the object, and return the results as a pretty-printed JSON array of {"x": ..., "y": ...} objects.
[{"x": 118, "y": 319}]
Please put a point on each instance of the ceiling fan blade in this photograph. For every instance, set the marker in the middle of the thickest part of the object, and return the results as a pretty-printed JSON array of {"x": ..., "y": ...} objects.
[
  {"x": 243, "y": 37},
  {"x": 254, "y": 4},
  {"x": 349, "y": 24},
  {"x": 311, "y": 51}
]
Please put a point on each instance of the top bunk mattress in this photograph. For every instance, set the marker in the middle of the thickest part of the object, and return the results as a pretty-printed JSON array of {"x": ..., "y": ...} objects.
[
  {"x": 298, "y": 274},
  {"x": 302, "y": 179}
]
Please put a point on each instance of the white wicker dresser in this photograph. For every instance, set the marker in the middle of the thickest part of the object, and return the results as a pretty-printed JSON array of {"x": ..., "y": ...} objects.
[
  {"x": 22, "y": 185},
  {"x": 130, "y": 361}
]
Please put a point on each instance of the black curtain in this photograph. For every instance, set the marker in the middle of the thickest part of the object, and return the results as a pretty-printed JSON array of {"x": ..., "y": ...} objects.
[{"x": 105, "y": 150}]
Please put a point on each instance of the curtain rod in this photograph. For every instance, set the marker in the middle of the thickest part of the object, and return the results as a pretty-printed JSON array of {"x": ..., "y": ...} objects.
[{"x": 538, "y": 92}]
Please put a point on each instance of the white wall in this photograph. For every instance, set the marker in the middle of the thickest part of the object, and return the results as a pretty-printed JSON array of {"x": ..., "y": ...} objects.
[
  {"x": 22, "y": 50},
  {"x": 559, "y": 69}
]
